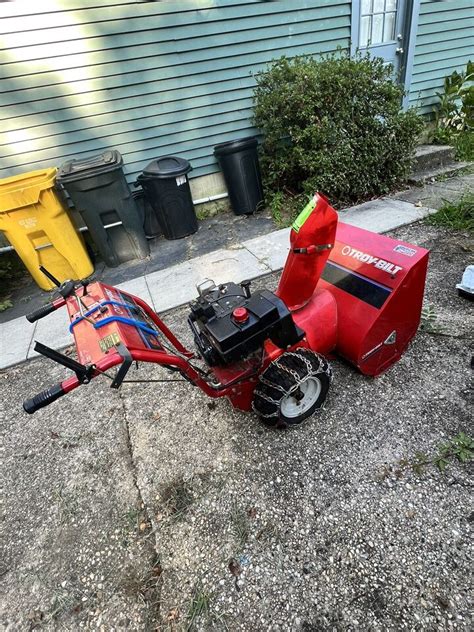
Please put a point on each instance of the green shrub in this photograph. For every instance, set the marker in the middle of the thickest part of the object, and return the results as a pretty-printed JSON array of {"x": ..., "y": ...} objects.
[
  {"x": 455, "y": 110},
  {"x": 454, "y": 113},
  {"x": 333, "y": 125}
]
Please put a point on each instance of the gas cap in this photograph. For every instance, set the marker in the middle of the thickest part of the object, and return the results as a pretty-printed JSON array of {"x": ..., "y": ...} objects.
[{"x": 240, "y": 315}]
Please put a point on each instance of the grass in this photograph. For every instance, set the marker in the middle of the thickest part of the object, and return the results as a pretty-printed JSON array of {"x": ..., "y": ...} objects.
[
  {"x": 240, "y": 526},
  {"x": 455, "y": 215},
  {"x": 211, "y": 209},
  {"x": 67, "y": 505},
  {"x": 177, "y": 497},
  {"x": 199, "y": 606},
  {"x": 464, "y": 145}
]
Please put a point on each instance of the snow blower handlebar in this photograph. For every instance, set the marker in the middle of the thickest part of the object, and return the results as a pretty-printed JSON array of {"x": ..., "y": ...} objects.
[
  {"x": 45, "y": 310},
  {"x": 112, "y": 328},
  {"x": 46, "y": 397},
  {"x": 123, "y": 357}
]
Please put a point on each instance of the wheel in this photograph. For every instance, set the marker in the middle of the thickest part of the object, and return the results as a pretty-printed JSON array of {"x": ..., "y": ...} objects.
[{"x": 292, "y": 388}]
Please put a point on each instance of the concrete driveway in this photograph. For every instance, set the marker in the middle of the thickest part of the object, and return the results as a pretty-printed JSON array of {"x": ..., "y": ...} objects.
[{"x": 157, "y": 508}]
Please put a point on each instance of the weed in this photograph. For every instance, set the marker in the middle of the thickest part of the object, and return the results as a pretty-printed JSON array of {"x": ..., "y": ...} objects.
[
  {"x": 240, "y": 526},
  {"x": 5, "y": 303},
  {"x": 455, "y": 215},
  {"x": 464, "y": 145},
  {"x": 268, "y": 532},
  {"x": 460, "y": 447},
  {"x": 143, "y": 584},
  {"x": 428, "y": 320},
  {"x": 177, "y": 498},
  {"x": 136, "y": 521},
  {"x": 132, "y": 517},
  {"x": 455, "y": 112},
  {"x": 211, "y": 209},
  {"x": 199, "y": 606},
  {"x": 62, "y": 604},
  {"x": 67, "y": 505},
  {"x": 286, "y": 206}
]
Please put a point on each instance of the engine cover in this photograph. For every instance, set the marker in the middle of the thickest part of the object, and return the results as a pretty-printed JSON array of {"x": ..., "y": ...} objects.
[{"x": 229, "y": 325}]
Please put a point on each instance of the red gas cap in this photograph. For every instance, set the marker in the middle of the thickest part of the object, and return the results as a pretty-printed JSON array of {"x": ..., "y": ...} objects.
[{"x": 240, "y": 315}]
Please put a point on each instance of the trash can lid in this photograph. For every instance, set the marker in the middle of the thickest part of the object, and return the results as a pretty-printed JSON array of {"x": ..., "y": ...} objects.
[
  {"x": 25, "y": 188},
  {"x": 167, "y": 167},
  {"x": 79, "y": 169},
  {"x": 235, "y": 145}
]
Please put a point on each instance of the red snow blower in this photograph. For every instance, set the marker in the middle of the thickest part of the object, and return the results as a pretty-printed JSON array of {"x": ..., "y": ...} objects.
[{"x": 343, "y": 290}]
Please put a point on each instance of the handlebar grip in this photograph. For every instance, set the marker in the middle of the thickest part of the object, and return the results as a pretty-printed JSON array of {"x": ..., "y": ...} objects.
[
  {"x": 41, "y": 312},
  {"x": 44, "y": 398}
]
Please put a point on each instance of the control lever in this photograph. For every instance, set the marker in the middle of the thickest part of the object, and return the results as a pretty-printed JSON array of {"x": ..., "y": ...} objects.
[
  {"x": 84, "y": 372},
  {"x": 245, "y": 285},
  {"x": 52, "y": 278},
  {"x": 66, "y": 288}
]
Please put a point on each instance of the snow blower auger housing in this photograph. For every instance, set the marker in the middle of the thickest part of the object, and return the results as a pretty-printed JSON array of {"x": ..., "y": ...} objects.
[{"x": 343, "y": 290}]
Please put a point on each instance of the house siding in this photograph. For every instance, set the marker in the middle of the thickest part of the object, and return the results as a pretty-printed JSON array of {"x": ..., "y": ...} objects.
[
  {"x": 147, "y": 78},
  {"x": 444, "y": 43}
]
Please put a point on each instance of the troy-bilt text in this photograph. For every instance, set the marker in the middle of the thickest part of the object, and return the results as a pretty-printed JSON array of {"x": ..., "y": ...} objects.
[{"x": 364, "y": 257}]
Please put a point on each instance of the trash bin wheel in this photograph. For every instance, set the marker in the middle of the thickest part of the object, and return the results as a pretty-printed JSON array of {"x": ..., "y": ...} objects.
[{"x": 292, "y": 388}]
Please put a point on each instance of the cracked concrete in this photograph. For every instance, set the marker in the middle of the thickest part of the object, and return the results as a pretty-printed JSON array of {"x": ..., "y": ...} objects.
[{"x": 73, "y": 554}]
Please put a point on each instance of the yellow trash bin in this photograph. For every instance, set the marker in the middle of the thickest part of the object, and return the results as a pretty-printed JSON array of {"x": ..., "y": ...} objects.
[{"x": 35, "y": 222}]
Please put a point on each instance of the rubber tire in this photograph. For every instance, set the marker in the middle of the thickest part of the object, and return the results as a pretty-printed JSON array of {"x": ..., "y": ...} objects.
[{"x": 276, "y": 383}]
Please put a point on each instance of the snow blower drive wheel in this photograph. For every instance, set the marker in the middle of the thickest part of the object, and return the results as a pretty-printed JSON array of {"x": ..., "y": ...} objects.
[{"x": 292, "y": 388}]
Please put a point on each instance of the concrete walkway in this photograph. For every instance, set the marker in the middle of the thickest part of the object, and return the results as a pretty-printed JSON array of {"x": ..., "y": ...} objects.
[{"x": 176, "y": 285}]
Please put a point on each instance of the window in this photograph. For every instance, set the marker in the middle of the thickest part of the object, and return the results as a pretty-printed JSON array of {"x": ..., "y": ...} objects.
[{"x": 377, "y": 22}]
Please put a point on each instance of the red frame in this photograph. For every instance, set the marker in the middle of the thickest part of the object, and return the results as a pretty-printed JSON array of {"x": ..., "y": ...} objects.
[{"x": 237, "y": 381}]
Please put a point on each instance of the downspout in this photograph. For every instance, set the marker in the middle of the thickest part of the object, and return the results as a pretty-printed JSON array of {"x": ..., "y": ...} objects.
[{"x": 412, "y": 13}]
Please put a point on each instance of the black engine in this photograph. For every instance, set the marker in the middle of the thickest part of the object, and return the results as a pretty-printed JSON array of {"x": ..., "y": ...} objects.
[{"x": 229, "y": 323}]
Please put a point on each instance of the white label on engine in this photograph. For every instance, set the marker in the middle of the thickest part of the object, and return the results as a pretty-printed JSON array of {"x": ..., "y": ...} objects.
[
  {"x": 364, "y": 257},
  {"x": 404, "y": 250}
]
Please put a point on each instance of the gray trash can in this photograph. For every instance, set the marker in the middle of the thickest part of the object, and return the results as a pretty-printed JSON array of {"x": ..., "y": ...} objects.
[{"x": 99, "y": 191}]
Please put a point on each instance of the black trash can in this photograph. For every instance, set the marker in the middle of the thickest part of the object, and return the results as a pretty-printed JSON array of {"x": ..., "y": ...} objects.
[
  {"x": 99, "y": 191},
  {"x": 238, "y": 160},
  {"x": 148, "y": 216},
  {"x": 166, "y": 186}
]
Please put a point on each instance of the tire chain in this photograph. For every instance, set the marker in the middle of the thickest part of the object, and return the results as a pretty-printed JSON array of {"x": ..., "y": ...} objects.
[{"x": 305, "y": 360}]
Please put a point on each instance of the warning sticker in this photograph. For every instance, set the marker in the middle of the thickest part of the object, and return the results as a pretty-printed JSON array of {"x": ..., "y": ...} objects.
[
  {"x": 112, "y": 340},
  {"x": 404, "y": 250}
]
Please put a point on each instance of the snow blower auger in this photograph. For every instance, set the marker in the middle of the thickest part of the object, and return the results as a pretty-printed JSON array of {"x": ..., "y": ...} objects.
[{"x": 343, "y": 290}]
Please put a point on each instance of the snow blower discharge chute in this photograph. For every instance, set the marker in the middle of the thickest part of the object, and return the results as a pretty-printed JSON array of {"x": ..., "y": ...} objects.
[{"x": 343, "y": 291}]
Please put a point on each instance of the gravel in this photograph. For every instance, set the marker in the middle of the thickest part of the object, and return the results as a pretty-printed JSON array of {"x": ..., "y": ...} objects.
[{"x": 245, "y": 528}]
